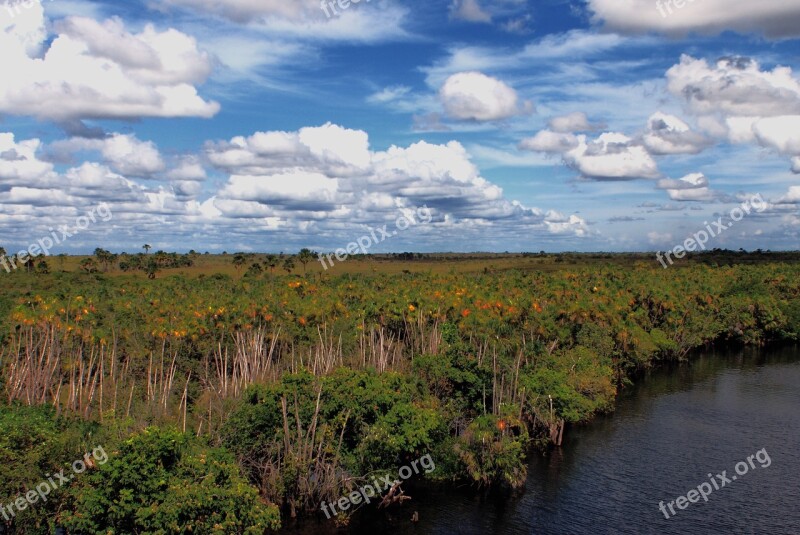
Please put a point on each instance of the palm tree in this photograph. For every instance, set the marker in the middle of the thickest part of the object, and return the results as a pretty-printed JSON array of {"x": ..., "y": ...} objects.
[
  {"x": 105, "y": 257},
  {"x": 305, "y": 256},
  {"x": 43, "y": 267},
  {"x": 89, "y": 265},
  {"x": 239, "y": 259},
  {"x": 288, "y": 264},
  {"x": 272, "y": 262},
  {"x": 146, "y": 248},
  {"x": 254, "y": 270},
  {"x": 30, "y": 263}
]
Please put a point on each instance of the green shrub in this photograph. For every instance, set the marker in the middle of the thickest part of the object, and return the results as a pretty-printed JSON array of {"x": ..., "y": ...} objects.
[{"x": 163, "y": 482}]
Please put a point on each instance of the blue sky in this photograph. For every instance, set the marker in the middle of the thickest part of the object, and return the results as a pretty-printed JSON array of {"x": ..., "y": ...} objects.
[{"x": 265, "y": 125}]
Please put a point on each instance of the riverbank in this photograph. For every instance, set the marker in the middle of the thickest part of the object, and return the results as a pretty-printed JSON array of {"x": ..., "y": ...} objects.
[{"x": 667, "y": 433}]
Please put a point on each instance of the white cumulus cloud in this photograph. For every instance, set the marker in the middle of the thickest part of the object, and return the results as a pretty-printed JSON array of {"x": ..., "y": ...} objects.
[
  {"x": 773, "y": 18},
  {"x": 91, "y": 69},
  {"x": 612, "y": 156},
  {"x": 693, "y": 187},
  {"x": 474, "y": 96},
  {"x": 667, "y": 134}
]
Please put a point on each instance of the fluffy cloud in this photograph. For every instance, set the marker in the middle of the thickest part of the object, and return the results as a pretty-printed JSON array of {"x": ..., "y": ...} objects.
[
  {"x": 773, "y": 18},
  {"x": 667, "y": 134},
  {"x": 293, "y": 191},
  {"x": 284, "y": 176},
  {"x": 574, "y": 122},
  {"x": 90, "y": 69},
  {"x": 791, "y": 197},
  {"x": 692, "y": 187},
  {"x": 316, "y": 187},
  {"x": 734, "y": 87},
  {"x": 334, "y": 150},
  {"x": 780, "y": 133},
  {"x": 551, "y": 142},
  {"x": 474, "y": 96},
  {"x": 124, "y": 153},
  {"x": 737, "y": 100},
  {"x": 557, "y": 223},
  {"x": 469, "y": 10},
  {"x": 26, "y": 179},
  {"x": 305, "y": 20},
  {"x": 249, "y": 10},
  {"x": 188, "y": 169},
  {"x": 36, "y": 198},
  {"x": 796, "y": 165},
  {"x": 612, "y": 156},
  {"x": 19, "y": 163},
  {"x": 99, "y": 183},
  {"x": 389, "y": 94}
]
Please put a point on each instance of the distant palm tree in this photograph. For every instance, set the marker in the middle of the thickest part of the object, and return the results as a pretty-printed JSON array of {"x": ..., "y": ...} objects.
[
  {"x": 239, "y": 260},
  {"x": 105, "y": 258},
  {"x": 146, "y": 248},
  {"x": 305, "y": 256},
  {"x": 272, "y": 262}
]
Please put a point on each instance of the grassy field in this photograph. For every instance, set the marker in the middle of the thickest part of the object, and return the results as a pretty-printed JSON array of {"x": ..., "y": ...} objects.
[
  {"x": 296, "y": 385},
  {"x": 439, "y": 263}
]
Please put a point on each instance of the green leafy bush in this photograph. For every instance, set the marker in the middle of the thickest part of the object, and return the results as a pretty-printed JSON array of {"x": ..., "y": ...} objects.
[{"x": 161, "y": 482}]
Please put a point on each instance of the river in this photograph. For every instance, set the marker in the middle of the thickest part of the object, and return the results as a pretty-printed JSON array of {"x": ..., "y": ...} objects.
[{"x": 670, "y": 431}]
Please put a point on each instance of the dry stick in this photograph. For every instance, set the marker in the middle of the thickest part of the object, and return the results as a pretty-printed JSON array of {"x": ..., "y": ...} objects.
[
  {"x": 285, "y": 424},
  {"x": 313, "y": 429},
  {"x": 273, "y": 345},
  {"x": 149, "y": 378},
  {"x": 57, "y": 397},
  {"x": 93, "y": 377},
  {"x": 52, "y": 365},
  {"x": 516, "y": 372},
  {"x": 114, "y": 366},
  {"x": 361, "y": 345},
  {"x": 163, "y": 349},
  {"x": 297, "y": 419},
  {"x": 102, "y": 380},
  {"x": 502, "y": 392},
  {"x": 210, "y": 417},
  {"x": 494, "y": 380},
  {"x": 130, "y": 400},
  {"x": 185, "y": 400},
  {"x": 172, "y": 370}
]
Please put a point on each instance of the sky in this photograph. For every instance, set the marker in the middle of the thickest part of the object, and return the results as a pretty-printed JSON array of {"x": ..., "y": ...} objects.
[{"x": 273, "y": 125}]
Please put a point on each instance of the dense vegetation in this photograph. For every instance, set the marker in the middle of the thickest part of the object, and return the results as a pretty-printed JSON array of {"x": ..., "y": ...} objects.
[{"x": 223, "y": 400}]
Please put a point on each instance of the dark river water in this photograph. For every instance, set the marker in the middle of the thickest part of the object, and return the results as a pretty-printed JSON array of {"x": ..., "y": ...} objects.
[{"x": 669, "y": 432}]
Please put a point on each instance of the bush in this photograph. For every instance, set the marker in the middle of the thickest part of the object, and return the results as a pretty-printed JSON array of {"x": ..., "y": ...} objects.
[
  {"x": 164, "y": 482},
  {"x": 35, "y": 444}
]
